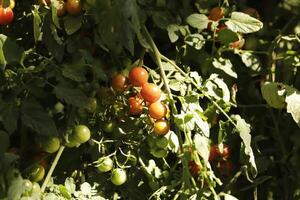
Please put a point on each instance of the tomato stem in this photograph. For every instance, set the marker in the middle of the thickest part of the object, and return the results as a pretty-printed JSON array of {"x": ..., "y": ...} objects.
[{"x": 54, "y": 163}]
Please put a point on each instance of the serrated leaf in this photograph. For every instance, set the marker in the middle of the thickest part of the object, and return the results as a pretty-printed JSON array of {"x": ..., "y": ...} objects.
[
  {"x": 36, "y": 118},
  {"x": 293, "y": 106},
  {"x": 225, "y": 65},
  {"x": 227, "y": 36},
  {"x": 195, "y": 40},
  {"x": 72, "y": 23},
  {"x": 250, "y": 60},
  {"x": 243, "y": 23},
  {"x": 270, "y": 92},
  {"x": 75, "y": 71},
  {"x": 202, "y": 146},
  {"x": 217, "y": 88},
  {"x": 173, "y": 30},
  {"x": 198, "y": 21},
  {"x": 71, "y": 96}
]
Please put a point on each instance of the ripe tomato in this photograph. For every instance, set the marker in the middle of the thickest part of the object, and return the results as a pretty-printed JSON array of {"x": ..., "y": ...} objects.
[
  {"x": 150, "y": 92},
  {"x": 194, "y": 168},
  {"x": 135, "y": 105},
  {"x": 157, "y": 110},
  {"x": 81, "y": 134},
  {"x": 161, "y": 127},
  {"x": 119, "y": 176},
  {"x": 36, "y": 173},
  {"x": 105, "y": 164},
  {"x": 225, "y": 167},
  {"x": 74, "y": 7},
  {"x": 215, "y": 153},
  {"x": 49, "y": 144},
  {"x": 6, "y": 15},
  {"x": 216, "y": 13},
  {"x": 61, "y": 8},
  {"x": 238, "y": 44},
  {"x": 108, "y": 127},
  {"x": 91, "y": 106},
  {"x": 119, "y": 82},
  {"x": 138, "y": 76}
]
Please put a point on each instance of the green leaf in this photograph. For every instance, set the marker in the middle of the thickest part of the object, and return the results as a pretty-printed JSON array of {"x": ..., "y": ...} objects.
[
  {"x": 173, "y": 30},
  {"x": 293, "y": 105},
  {"x": 2, "y": 58},
  {"x": 10, "y": 117},
  {"x": 75, "y": 71},
  {"x": 227, "y": 36},
  {"x": 12, "y": 51},
  {"x": 71, "y": 96},
  {"x": 195, "y": 40},
  {"x": 36, "y": 118},
  {"x": 243, "y": 23},
  {"x": 4, "y": 142},
  {"x": 225, "y": 65},
  {"x": 198, "y": 21},
  {"x": 54, "y": 6},
  {"x": 217, "y": 88},
  {"x": 202, "y": 146},
  {"x": 251, "y": 61},
  {"x": 244, "y": 130},
  {"x": 271, "y": 93},
  {"x": 36, "y": 23},
  {"x": 72, "y": 23}
]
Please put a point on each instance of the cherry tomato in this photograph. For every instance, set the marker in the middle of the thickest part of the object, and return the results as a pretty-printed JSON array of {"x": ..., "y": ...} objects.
[
  {"x": 135, "y": 105},
  {"x": 36, "y": 173},
  {"x": 73, "y": 7},
  {"x": 6, "y": 15},
  {"x": 27, "y": 185},
  {"x": 41, "y": 159},
  {"x": 61, "y": 8},
  {"x": 252, "y": 12},
  {"x": 216, "y": 13},
  {"x": 161, "y": 127},
  {"x": 105, "y": 164},
  {"x": 108, "y": 127},
  {"x": 49, "y": 144},
  {"x": 35, "y": 188},
  {"x": 215, "y": 153},
  {"x": 225, "y": 167},
  {"x": 119, "y": 176},
  {"x": 91, "y": 106},
  {"x": 138, "y": 76},
  {"x": 81, "y": 134},
  {"x": 119, "y": 82},
  {"x": 150, "y": 92},
  {"x": 157, "y": 110},
  {"x": 238, "y": 44},
  {"x": 194, "y": 168}
]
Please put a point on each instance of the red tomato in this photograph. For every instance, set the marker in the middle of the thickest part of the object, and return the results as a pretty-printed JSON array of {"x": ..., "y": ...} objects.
[
  {"x": 216, "y": 13},
  {"x": 6, "y": 15},
  {"x": 150, "y": 92},
  {"x": 194, "y": 168},
  {"x": 238, "y": 44},
  {"x": 118, "y": 82},
  {"x": 215, "y": 153},
  {"x": 138, "y": 76},
  {"x": 161, "y": 127},
  {"x": 61, "y": 8},
  {"x": 135, "y": 105},
  {"x": 74, "y": 7},
  {"x": 157, "y": 110},
  {"x": 225, "y": 167}
]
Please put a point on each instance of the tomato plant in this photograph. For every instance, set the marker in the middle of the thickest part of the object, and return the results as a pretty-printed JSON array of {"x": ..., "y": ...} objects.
[{"x": 143, "y": 99}]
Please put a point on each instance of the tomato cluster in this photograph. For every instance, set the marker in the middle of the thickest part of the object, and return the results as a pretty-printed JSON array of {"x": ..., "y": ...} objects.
[
  {"x": 6, "y": 13},
  {"x": 72, "y": 7},
  {"x": 220, "y": 159},
  {"x": 148, "y": 95}
]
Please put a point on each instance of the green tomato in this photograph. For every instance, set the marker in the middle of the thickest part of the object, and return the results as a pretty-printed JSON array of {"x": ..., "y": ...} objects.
[
  {"x": 81, "y": 134},
  {"x": 91, "y": 105},
  {"x": 119, "y": 176},
  {"x": 105, "y": 164},
  {"x": 50, "y": 144},
  {"x": 27, "y": 186},
  {"x": 36, "y": 173},
  {"x": 72, "y": 143},
  {"x": 59, "y": 107},
  {"x": 108, "y": 127}
]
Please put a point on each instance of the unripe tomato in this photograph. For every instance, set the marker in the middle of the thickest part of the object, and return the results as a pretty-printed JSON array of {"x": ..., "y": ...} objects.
[
  {"x": 27, "y": 185},
  {"x": 150, "y": 92},
  {"x": 36, "y": 173},
  {"x": 6, "y": 15},
  {"x": 105, "y": 164},
  {"x": 108, "y": 127},
  {"x": 216, "y": 13},
  {"x": 49, "y": 144},
  {"x": 135, "y": 105},
  {"x": 138, "y": 76},
  {"x": 157, "y": 110},
  {"x": 119, "y": 82},
  {"x": 119, "y": 176},
  {"x": 73, "y": 7},
  {"x": 161, "y": 127},
  {"x": 91, "y": 106},
  {"x": 61, "y": 8},
  {"x": 81, "y": 134},
  {"x": 72, "y": 143},
  {"x": 35, "y": 188},
  {"x": 216, "y": 154},
  {"x": 194, "y": 168}
]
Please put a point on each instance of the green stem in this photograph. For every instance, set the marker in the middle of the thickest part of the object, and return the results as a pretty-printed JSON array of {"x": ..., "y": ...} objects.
[{"x": 50, "y": 172}]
